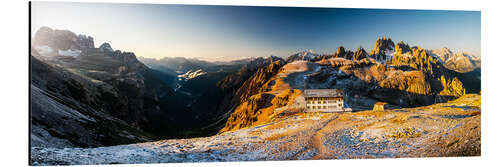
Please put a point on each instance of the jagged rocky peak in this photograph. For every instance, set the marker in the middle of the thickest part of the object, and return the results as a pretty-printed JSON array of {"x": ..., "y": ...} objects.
[
  {"x": 60, "y": 42},
  {"x": 260, "y": 62},
  {"x": 307, "y": 53},
  {"x": 85, "y": 41},
  {"x": 402, "y": 47},
  {"x": 443, "y": 54},
  {"x": 360, "y": 54},
  {"x": 444, "y": 50},
  {"x": 341, "y": 52},
  {"x": 304, "y": 55},
  {"x": 106, "y": 47},
  {"x": 273, "y": 58},
  {"x": 381, "y": 45},
  {"x": 383, "y": 49}
]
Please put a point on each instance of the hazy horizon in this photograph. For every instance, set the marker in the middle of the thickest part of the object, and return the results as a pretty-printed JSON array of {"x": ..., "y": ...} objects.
[{"x": 216, "y": 33}]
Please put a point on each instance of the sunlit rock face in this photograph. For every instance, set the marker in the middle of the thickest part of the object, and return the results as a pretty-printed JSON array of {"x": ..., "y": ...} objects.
[
  {"x": 383, "y": 49},
  {"x": 360, "y": 54}
]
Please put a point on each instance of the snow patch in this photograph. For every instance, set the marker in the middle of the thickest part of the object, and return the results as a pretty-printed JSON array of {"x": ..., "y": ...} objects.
[
  {"x": 388, "y": 54},
  {"x": 44, "y": 50},
  {"x": 69, "y": 52},
  {"x": 191, "y": 74},
  {"x": 107, "y": 48}
]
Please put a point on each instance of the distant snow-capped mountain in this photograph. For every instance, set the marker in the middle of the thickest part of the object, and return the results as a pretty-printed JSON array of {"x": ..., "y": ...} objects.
[
  {"x": 303, "y": 55},
  {"x": 460, "y": 62},
  {"x": 308, "y": 53}
]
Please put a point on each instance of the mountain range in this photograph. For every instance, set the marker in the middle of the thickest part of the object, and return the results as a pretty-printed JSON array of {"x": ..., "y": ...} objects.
[{"x": 84, "y": 96}]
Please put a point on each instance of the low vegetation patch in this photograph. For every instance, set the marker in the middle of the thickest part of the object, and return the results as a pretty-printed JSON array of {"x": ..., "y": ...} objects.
[{"x": 407, "y": 132}]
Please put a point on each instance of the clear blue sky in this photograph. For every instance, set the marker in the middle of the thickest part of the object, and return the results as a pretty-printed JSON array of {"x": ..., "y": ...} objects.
[{"x": 159, "y": 30}]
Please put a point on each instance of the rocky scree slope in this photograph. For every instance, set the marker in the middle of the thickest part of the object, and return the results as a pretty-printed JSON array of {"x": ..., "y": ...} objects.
[{"x": 67, "y": 110}]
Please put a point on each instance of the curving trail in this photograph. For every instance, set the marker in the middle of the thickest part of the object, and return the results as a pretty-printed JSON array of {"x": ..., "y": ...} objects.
[
  {"x": 318, "y": 138},
  {"x": 315, "y": 143}
]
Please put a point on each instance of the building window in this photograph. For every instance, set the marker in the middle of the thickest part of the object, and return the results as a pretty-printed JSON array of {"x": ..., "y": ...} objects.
[
  {"x": 314, "y": 107},
  {"x": 324, "y": 107}
]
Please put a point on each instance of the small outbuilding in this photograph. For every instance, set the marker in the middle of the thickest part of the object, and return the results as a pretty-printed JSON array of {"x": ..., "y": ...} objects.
[{"x": 380, "y": 106}]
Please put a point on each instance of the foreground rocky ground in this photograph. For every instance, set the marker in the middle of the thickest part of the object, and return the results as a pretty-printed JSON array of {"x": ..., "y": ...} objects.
[{"x": 443, "y": 129}]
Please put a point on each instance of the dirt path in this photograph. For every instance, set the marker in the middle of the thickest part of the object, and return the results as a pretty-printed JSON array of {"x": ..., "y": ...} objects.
[{"x": 316, "y": 139}]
